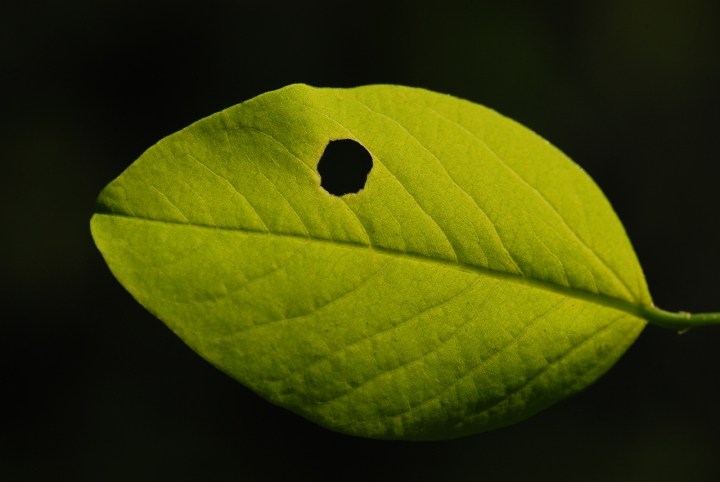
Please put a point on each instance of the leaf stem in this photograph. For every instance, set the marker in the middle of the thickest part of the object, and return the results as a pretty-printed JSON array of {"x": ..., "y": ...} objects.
[{"x": 681, "y": 321}]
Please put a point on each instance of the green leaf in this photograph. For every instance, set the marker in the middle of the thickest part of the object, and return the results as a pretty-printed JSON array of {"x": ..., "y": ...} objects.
[{"x": 479, "y": 277}]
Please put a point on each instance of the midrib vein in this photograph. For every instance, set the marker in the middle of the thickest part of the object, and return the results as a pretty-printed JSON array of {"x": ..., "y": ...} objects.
[{"x": 596, "y": 298}]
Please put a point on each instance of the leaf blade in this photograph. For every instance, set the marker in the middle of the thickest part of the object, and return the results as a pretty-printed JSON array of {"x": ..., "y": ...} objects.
[{"x": 424, "y": 208}]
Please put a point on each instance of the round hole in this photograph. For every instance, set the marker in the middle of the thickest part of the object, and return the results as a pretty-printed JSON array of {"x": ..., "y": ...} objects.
[{"x": 344, "y": 167}]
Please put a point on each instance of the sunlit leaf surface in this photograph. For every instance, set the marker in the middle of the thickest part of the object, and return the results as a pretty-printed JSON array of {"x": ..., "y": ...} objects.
[{"x": 477, "y": 278}]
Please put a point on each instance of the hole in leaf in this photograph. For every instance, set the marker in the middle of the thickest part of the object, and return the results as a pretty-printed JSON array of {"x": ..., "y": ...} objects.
[{"x": 344, "y": 167}]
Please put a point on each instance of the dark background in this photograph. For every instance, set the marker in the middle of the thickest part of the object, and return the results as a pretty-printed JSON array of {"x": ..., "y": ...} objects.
[{"x": 92, "y": 387}]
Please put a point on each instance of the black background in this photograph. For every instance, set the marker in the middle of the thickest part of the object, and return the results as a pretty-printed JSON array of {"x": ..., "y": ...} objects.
[{"x": 92, "y": 387}]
